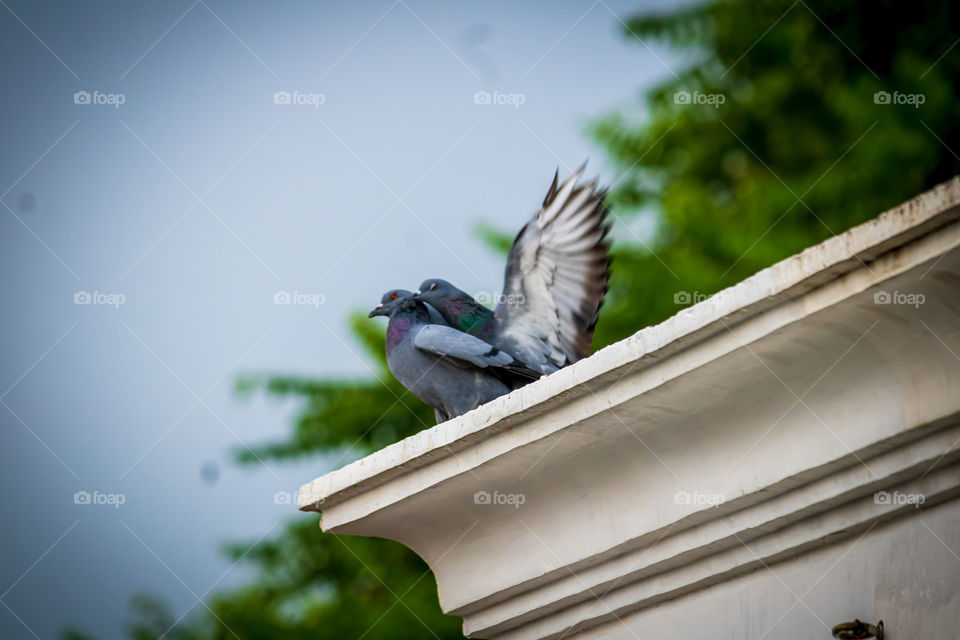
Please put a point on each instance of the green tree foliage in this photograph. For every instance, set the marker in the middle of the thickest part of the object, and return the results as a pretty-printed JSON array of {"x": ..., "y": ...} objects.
[{"x": 802, "y": 147}]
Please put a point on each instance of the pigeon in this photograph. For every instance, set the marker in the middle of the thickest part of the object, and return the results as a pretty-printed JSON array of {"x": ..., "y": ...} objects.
[
  {"x": 451, "y": 371},
  {"x": 556, "y": 279},
  {"x": 395, "y": 295}
]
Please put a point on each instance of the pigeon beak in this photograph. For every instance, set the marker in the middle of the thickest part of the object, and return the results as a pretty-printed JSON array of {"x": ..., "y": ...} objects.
[
  {"x": 417, "y": 292},
  {"x": 377, "y": 311}
]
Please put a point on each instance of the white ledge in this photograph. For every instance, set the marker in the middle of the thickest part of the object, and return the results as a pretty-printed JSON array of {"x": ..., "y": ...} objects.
[{"x": 791, "y": 397}]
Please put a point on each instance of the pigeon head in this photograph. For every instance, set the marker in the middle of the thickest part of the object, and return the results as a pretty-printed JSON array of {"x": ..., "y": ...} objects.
[
  {"x": 435, "y": 291},
  {"x": 458, "y": 308},
  {"x": 390, "y": 300}
]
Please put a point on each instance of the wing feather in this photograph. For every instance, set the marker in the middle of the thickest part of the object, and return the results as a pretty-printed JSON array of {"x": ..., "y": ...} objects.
[
  {"x": 465, "y": 350},
  {"x": 449, "y": 342},
  {"x": 556, "y": 277}
]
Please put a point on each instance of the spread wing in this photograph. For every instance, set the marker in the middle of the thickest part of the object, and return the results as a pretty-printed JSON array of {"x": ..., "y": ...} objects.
[{"x": 556, "y": 277}]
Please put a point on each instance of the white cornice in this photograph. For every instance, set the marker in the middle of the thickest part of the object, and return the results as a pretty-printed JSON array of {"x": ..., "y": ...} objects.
[{"x": 791, "y": 396}]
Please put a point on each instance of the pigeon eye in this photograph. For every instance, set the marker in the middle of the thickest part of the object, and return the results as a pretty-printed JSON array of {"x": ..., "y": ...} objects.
[
  {"x": 433, "y": 287},
  {"x": 393, "y": 297}
]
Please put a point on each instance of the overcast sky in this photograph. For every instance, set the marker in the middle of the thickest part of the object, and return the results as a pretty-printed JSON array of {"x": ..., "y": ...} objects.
[{"x": 167, "y": 168}]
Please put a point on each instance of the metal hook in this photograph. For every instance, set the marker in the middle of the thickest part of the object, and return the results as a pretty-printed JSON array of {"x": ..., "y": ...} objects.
[{"x": 858, "y": 630}]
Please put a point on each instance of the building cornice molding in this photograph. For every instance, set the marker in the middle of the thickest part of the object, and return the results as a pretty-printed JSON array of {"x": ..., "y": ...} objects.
[{"x": 790, "y": 399}]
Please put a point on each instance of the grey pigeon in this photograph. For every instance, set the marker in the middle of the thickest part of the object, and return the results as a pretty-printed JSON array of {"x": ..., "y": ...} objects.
[
  {"x": 390, "y": 298},
  {"x": 451, "y": 371},
  {"x": 555, "y": 282}
]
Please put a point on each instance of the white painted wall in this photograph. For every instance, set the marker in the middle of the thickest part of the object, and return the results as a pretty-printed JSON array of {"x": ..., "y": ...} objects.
[{"x": 903, "y": 573}]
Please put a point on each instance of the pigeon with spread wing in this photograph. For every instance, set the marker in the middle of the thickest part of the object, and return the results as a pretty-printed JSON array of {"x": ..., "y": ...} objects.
[{"x": 555, "y": 283}]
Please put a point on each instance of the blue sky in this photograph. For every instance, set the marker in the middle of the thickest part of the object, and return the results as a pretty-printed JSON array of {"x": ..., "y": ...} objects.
[{"x": 184, "y": 209}]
